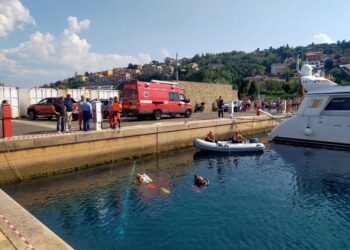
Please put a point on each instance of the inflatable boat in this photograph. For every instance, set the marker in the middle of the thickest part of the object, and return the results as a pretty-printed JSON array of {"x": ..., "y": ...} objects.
[{"x": 228, "y": 146}]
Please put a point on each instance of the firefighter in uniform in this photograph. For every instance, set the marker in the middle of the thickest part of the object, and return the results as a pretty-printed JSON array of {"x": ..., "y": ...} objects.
[{"x": 116, "y": 114}]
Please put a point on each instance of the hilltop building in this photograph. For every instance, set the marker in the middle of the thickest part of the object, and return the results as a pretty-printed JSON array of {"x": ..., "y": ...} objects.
[
  {"x": 279, "y": 69},
  {"x": 316, "y": 59}
]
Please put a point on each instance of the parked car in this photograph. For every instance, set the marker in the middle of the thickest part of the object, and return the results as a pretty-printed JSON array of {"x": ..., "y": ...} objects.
[
  {"x": 272, "y": 105},
  {"x": 44, "y": 108},
  {"x": 104, "y": 108},
  {"x": 237, "y": 105}
]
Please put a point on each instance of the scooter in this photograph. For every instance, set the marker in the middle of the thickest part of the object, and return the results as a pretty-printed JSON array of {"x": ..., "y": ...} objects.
[{"x": 199, "y": 107}]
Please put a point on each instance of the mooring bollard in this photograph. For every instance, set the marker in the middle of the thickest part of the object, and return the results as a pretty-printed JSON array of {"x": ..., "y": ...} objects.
[
  {"x": 6, "y": 119},
  {"x": 96, "y": 107},
  {"x": 284, "y": 107},
  {"x": 232, "y": 106}
]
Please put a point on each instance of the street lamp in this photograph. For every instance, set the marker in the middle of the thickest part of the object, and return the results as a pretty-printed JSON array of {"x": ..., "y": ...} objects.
[
  {"x": 177, "y": 69},
  {"x": 259, "y": 87}
]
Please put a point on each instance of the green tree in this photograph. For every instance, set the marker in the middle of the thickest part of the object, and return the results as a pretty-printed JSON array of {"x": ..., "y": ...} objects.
[
  {"x": 252, "y": 91},
  {"x": 286, "y": 87}
]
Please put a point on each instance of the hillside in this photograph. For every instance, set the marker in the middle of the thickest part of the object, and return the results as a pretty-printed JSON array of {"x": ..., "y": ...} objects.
[
  {"x": 227, "y": 67},
  {"x": 233, "y": 67}
]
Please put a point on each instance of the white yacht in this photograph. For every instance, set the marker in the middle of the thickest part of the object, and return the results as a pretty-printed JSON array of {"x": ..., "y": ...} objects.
[{"x": 323, "y": 118}]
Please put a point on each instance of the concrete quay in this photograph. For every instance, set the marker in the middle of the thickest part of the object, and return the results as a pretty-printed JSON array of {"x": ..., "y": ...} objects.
[
  {"x": 35, "y": 156},
  {"x": 21, "y": 230}
]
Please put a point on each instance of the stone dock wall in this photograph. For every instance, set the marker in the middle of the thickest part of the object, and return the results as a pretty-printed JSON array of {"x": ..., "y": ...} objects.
[
  {"x": 25, "y": 158},
  {"x": 208, "y": 93}
]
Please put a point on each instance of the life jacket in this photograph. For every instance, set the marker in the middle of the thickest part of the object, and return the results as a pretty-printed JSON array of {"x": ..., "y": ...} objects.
[{"x": 116, "y": 107}]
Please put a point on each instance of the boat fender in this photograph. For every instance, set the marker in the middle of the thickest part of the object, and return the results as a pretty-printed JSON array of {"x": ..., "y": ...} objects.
[{"x": 308, "y": 131}]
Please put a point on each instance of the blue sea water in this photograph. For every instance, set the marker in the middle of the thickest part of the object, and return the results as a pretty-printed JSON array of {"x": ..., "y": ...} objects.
[{"x": 286, "y": 198}]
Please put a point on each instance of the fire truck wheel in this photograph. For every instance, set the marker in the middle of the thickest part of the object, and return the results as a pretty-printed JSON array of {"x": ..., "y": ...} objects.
[
  {"x": 157, "y": 114},
  {"x": 188, "y": 113}
]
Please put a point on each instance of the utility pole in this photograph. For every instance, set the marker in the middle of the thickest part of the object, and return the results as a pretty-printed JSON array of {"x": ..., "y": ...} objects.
[{"x": 177, "y": 69}]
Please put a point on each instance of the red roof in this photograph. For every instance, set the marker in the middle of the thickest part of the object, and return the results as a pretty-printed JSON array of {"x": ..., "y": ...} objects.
[{"x": 318, "y": 53}]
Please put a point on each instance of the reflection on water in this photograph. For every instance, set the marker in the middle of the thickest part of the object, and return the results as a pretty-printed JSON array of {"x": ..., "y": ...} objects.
[{"x": 285, "y": 198}]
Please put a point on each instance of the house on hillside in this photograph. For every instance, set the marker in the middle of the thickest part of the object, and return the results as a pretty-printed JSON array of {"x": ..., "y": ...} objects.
[
  {"x": 194, "y": 66},
  {"x": 108, "y": 72},
  {"x": 278, "y": 69},
  {"x": 151, "y": 68},
  {"x": 289, "y": 61},
  {"x": 316, "y": 59},
  {"x": 344, "y": 60},
  {"x": 169, "y": 61}
]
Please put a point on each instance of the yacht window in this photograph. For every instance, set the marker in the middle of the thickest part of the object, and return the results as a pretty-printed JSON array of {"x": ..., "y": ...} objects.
[
  {"x": 315, "y": 103},
  {"x": 339, "y": 103}
]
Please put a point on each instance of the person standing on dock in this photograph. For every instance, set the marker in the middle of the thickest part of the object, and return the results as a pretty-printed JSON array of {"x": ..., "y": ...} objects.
[
  {"x": 60, "y": 111},
  {"x": 220, "y": 103},
  {"x": 116, "y": 113},
  {"x": 69, "y": 112},
  {"x": 80, "y": 103},
  {"x": 87, "y": 114}
]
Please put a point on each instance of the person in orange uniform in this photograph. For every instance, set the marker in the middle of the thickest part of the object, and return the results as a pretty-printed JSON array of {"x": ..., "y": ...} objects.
[{"x": 116, "y": 113}]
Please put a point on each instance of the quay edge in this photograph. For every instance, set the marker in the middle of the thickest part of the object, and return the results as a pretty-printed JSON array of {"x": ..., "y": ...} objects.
[
  {"x": 30, "y": 157},
  {"x": 21, "y": 230}
]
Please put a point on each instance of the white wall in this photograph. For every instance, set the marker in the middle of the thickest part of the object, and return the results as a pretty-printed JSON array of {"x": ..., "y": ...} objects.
[
  {"x": 33, "y": 95},
  {"x": 11, "y": 95},
  {"x": 30, "y": 96}
]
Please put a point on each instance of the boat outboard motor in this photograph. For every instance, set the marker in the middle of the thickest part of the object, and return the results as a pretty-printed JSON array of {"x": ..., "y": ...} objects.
[{"x": 253, "y": 140}]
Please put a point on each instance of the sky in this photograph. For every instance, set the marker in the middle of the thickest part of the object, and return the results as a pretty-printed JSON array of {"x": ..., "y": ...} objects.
[{"x": 45, "y": 41}]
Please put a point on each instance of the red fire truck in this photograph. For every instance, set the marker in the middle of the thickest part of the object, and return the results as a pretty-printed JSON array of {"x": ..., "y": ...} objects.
[{"x": 155, "y": 98}]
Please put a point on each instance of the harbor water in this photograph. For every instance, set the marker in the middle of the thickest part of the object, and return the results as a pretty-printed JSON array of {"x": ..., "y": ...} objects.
[{"x": 286, "y": 198}]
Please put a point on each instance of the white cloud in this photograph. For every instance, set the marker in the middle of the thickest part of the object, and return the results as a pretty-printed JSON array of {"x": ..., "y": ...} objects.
[
  {"x": 75, "y": 26},
  {"x": 39, "y": 46},
  {"x": 13, "y": 15},
  {"x": 322, "y": 38},
  {"x": 165, "y": 52},
  {"x": 45, "y": 58}
]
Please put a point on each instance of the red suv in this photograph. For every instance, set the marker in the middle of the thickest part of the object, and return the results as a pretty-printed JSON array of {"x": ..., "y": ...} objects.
[{"x": 45, "y": 108}]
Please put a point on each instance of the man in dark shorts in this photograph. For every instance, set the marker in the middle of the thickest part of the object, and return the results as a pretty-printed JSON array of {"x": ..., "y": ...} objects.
[
  {"x": 220, "y": 103},
  {"x": 69, "y": 112},
  {"x": 60, "y": 111}
]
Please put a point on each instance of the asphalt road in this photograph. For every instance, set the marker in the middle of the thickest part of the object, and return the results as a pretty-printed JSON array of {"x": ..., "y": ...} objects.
[{"x": 25, "y": 126}]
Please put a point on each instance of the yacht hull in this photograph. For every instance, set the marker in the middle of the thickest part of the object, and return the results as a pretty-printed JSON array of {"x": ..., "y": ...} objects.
[{"x": 318, "y": 131}]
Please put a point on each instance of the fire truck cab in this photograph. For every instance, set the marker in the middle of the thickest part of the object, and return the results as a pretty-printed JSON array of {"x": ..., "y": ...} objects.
[{"x": 153, "y": 99}]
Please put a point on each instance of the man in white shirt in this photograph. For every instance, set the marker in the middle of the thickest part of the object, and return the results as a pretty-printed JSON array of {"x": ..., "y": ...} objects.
[{"x": 87, "y": 114}]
